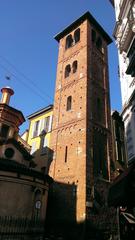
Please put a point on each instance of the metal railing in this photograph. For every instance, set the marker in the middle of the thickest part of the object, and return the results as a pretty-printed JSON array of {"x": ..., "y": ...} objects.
[{"x": 12, "y": 228}]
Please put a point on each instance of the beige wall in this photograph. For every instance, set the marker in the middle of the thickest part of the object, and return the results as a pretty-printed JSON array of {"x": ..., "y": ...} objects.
[{"x": 17, "y": 196}]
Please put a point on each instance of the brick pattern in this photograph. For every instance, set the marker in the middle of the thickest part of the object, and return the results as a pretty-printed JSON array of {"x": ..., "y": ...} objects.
[{"x": 73, "y": 131}]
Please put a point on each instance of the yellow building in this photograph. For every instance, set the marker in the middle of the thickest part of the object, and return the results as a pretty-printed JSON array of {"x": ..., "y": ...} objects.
[
  {"x": 23, "y": 189},
  {"x": 39, "y": 137}
]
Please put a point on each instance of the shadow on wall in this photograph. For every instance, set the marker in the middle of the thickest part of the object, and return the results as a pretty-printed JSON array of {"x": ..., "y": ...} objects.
[
  {"x": 61, "y": 212},
  {"x": 43, "y": 156}
]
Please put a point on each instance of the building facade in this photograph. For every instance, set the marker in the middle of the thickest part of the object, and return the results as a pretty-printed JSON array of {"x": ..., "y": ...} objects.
[
  {"x": 23, "y": 190},
  {"x": 81, "y": 131},
  {"x": 124, "y": 34},
  {"x": 38, "y": 137},
  {"x": 119, "y": 143}
]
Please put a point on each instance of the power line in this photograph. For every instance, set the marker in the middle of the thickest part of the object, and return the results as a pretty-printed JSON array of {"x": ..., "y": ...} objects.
[
  {"x": 24, "y": 83},
  {"x": 26, "y": 77}
]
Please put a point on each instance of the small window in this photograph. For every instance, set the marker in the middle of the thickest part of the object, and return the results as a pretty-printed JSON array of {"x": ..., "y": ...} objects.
[
  {"x": 38, "y": 204},
  {"x": 67, "y": 70},
  {"x": 77, "y": 35},
  {"x": 74, "y": 66},
  {"x": 4, "y": 129},
  {"x": 47, "y": 123},
  {"x": 93, "y": 35},
  {"x": 35, "y": 130},
  {"x": 69, "y": 103},
  {"x": 99, "y": 43},
  {"x": 69, "y": 41},
  {"x": 66, "y": 152},
  {"x": 9, "y": 152}
]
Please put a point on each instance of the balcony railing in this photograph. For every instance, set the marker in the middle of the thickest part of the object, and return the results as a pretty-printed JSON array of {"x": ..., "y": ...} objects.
[
  {"x": 131, "y": 57},
  {"x": 124, "y": 29}
]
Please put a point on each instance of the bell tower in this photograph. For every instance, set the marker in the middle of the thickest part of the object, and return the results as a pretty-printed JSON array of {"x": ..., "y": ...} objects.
[{"x": 81, "y": 125}]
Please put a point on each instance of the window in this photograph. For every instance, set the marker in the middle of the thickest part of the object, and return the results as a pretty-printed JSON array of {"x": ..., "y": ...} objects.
[
  {"x": 74, "y": 66},
  {"x": 44, "y": 145},
  {"x": 35, "y": 130},
  {"x": 38, "y": 203},
  {"x": 4, "y": 129},
  {"x": 47, "y": 123},
  {"x": 99, "y": 43},
  {"x": 50, "y": 124},
  {"x": 66, "y": 152},
  {"x": 99, "y": 109},
  {"x": 33, "y": 148},
  {"x": 77, "y": 35},
  {"x": 93, "y": 35},
  {"x": 69, "y": 41},
  {"x": 67, "y": 70},
  {"x": 69, "y": 103}
]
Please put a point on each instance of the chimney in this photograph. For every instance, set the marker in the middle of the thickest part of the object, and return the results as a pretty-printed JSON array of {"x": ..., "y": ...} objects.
[{"x": 7, "y": 92}]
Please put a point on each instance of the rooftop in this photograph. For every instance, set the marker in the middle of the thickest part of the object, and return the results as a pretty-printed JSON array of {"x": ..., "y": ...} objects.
[
  {"x": 77, "y": 22},
  {"x": 43, "y": 110}
]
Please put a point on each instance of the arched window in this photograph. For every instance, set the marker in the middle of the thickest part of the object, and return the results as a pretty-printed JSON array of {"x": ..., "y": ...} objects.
[
  {"x": 69, "y": 103},
  {"x": 74, "y": 66},
  {"x": 77, "y": 35},
  {"x": 67, "y": 70},
  {"x": 93, "y": 35},
  {"x": 99, "y": 43},
  {"x": 69, "y": 41}
]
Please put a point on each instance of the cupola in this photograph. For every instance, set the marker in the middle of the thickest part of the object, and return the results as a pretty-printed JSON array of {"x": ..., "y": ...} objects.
[{"x": 10, "y": 118}]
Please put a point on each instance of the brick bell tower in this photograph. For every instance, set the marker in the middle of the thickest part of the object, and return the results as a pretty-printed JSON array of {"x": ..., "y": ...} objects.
[{"x": 81, "y": 125}]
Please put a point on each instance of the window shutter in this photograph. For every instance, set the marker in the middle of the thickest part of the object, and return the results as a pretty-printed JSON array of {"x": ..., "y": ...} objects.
[
  {"x": 33, "y": 147},
  {"x": 42, "y": 125},
  {"x": 47, "y": 123},
  {"x": 39, "y": 128},
  {"x": 33, "y": 129},
  {"x": 50, "y": 124},
  {"x": 45, "y": 144}
]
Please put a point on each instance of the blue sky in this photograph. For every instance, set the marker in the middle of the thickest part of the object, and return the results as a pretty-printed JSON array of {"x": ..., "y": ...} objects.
[{"x": 28, "y": 51}]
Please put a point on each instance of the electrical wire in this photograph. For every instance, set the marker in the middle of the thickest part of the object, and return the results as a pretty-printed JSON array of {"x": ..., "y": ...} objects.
[
  {"x": 36, "y": 89},
  {"x": 23, "y": 82}
]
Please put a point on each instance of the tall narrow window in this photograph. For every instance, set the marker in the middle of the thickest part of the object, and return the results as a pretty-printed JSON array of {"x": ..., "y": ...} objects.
[
  {"x": 99, "y": 109},
  {"x": 44, "y": 145},
  {"x": 38, "y": 203},
  {"x": 33, "y": 148},
  {"x": 66, "y": 152},
  {"x": 35, "y": 130},
  {"x": 67, "y": 70},
  {"x": 99, "y": 43},
  {"x": 69, "y": 103},
  {"x": 74, "y": 66},
  {"x": 69, "y": 41},
  {"x": 47, "y": 123},
  {"x": 4, "y": 129},
  {"x": 93, "y": 35},
  {"x": 77, "y": 35}
]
